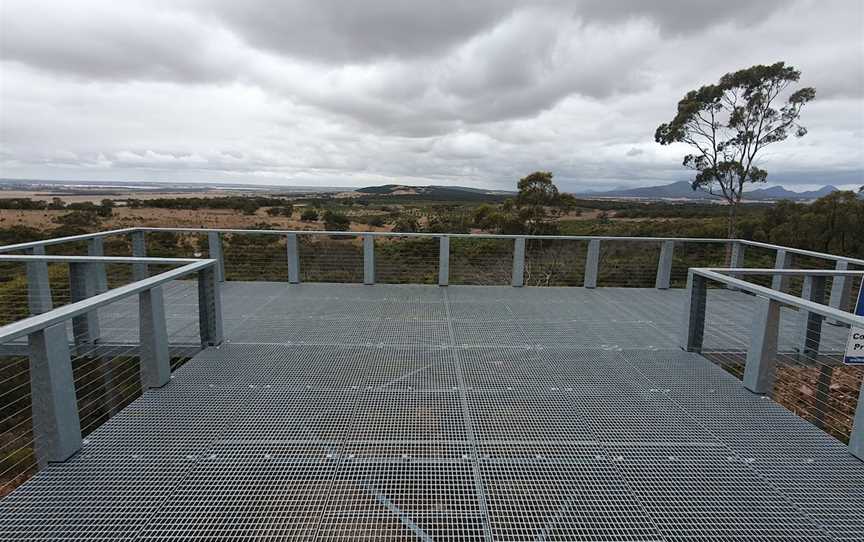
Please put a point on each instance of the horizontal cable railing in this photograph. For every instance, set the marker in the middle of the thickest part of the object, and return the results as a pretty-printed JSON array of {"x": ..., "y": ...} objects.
[
  {"x": 788, "y": 347},
  {"x": 65, "y": 370},
  {"x": 66, "y": 281}
]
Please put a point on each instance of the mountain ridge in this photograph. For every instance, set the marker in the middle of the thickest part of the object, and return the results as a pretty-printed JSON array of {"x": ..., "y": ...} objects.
[{"x": 684, "y": 190}]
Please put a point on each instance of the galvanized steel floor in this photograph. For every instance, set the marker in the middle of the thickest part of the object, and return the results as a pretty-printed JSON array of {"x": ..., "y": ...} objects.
[{"x": 346, "y": 412}]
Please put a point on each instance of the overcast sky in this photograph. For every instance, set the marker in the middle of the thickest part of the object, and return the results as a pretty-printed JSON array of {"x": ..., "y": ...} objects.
[{"x": 361, "y": 92}]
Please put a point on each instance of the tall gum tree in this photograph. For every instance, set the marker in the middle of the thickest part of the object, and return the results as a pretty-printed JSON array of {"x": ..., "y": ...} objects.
[{"x": 728, "y": 124}]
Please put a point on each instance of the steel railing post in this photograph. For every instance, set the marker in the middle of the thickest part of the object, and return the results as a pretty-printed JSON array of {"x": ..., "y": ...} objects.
[
  {"x": 856, "y": 439},
  {"x": 810, "y": 324},
  {"x": 139, "y": 250},
  {"x": 443, "y": 260},
  {"x": 736, "y": 260},
  {"x": 841, "y": 289},
  {"x": 760, "y": 367},
  {"x": 214, "y": 245},
  {"x": 664, "y": 265},
  {"x": 368, "y": 259},
  {"x": 82, "y": 285},
  {"x": 209, "y": 308},
  {"x": 782, "y": 261},
  {"x": 154, "y": 356},
  {"x": 38, "y": 283},
  {"x": 96, "y": 247},
  {"x": 592, "y": 263},
  {"x": 56, "y": 426},
  {"x": 293, "y": 259},
  {"x": 693, "y": 332},
  {"x": 518, "y": 262}
]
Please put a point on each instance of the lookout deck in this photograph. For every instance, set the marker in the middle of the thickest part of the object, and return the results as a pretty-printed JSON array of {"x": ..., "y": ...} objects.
[{"x": 479, "y": 413}]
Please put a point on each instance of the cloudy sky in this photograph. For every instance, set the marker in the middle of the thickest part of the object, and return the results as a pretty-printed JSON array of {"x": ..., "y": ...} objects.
[{"x": 360, "y": 92}]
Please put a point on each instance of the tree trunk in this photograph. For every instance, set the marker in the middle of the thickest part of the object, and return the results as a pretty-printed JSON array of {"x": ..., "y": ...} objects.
[
  {"x": 731, "y": 229},
  {"x": 732, "y": 221}
]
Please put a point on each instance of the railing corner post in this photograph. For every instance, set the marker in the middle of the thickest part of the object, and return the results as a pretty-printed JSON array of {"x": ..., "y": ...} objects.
[
  {"x": 782, "y": 261},
  {"x": 592, "y": 263},
  {"x": 38, "y": 283},
  {"x": 760, "y": 367},
  {"x": 810, "y": 323},
  {"x": 368, "y": 259},
  {"x": 83, "y": 282},
  {"x": 56, "y": 425},
  {"x": 693, "y": 332},
  {"x": 518, "y": 262},
  {"x": 209, "y": 308},
  {"x": 841, "y": 289},
  {"x": 139, "y": 250},
  {"x": 214, "y": 245},
  {"x": 293, "y": 259},
  {"x": 443, "y": 260},
  {"x": 155, "y": 360},
  {"x": 664, "y": 265},
  {"x": 96, "y": 247}
]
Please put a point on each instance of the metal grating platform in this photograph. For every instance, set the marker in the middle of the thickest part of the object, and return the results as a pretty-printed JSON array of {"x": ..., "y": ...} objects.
[{"x": 343, "y": 412}]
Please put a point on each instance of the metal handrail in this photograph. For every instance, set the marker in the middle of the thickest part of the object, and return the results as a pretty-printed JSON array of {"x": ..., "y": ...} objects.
[
  {"x": 61, "y": 314},
  {"x": 94, "y": 259},
  {"x": 802, "y": 252},
  {"x": 438, "y": 235},
  {"x": 793, "y": 272},
  {"x": 784, "y": 298},
  {"x": 61, "y": 240}
]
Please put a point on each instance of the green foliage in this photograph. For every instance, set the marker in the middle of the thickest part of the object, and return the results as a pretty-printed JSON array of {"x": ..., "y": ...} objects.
[
  {"x": 309, "y": 215},
  {"x": 335, "y": 221},
  {"x": 376, "y": 221},
  {"x": 245, "y": 204},
  {"x": 729, "y": 123},
  {"x": 87, "y": 220},
  {"x": 283, "y": 210},
  {"x": 406, "y": 224}
]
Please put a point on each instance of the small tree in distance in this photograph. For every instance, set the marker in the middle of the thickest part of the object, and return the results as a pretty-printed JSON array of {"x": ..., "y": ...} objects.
[{"x": 729, "y": 123}]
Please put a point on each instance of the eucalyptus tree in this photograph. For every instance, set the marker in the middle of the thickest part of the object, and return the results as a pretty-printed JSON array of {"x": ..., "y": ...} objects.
[{"x": 728, "y": 124}]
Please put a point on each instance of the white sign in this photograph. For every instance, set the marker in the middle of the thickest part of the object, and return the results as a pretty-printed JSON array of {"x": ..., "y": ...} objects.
[{"x": 855, "y": 346}]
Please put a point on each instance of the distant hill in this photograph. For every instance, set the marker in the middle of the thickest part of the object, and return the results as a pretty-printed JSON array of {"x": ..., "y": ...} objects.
[
  {"x": 443, "y": 193},
  {"x": 683, "y": 190}
]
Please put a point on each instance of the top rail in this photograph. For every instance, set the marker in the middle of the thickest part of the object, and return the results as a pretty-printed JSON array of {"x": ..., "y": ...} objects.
[
  {"x": 423, "y": 234},
  {"x": 61, "y": 314},
  {"x": 802, "y": 252},
  {"x": 792, "y": 272},
  {"x": 61, "y": 240},
  {"x": 93, "y": 259},
  {"x": 776, "y": 295}
]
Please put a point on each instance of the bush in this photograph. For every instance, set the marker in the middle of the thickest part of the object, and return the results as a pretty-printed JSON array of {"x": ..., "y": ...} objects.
[
  {"x": 406, "y": 224},
  {"x": 376, "y": 221},
  {"x": 285, "y": 210},
  {"x": 309, "y": 215},
  {"x": 334, "y": 221}
]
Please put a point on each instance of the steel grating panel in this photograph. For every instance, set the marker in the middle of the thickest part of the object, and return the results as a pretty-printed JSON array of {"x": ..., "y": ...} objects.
[
  {"x": 398, "y": 412},
  {"x": 265, "y": 497},
  {"x": 403, "y": 500},
  {"x": 581, "y": 499},
  {"x": 703, "y": 493}
]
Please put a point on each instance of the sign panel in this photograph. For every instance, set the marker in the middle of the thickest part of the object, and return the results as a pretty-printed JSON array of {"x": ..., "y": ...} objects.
[{"x": 855, "y": 345}]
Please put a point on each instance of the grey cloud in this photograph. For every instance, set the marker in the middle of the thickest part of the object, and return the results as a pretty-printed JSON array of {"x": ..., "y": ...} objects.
[
  {"x": 115, "y": 41},
  {"x": 339, "y": 92},
  {"x": 354, "y": 31},
  {"x": 680, "y": 16}
]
